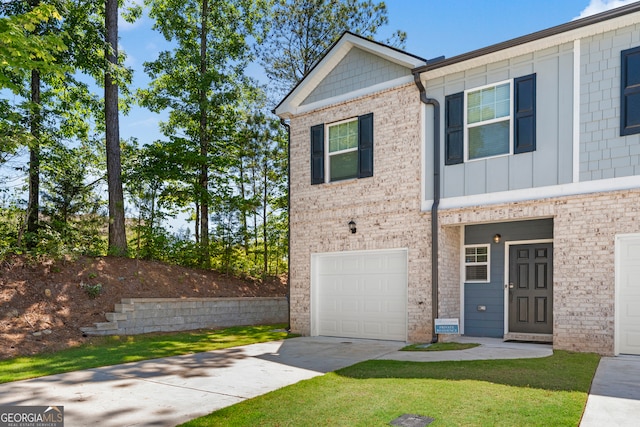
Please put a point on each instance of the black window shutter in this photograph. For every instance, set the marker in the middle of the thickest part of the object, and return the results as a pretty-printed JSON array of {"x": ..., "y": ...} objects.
[
  {"x": 630, "y": 92},
  {"x": 365, "y": 146},
  {"x": 524, "y": 117},
  {"x": 317, "y": 154},
  {"x": 454, "y": 129}
]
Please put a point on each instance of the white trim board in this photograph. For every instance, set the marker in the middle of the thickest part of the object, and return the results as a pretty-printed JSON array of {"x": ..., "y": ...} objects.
[{"x": 536, "y": 193}]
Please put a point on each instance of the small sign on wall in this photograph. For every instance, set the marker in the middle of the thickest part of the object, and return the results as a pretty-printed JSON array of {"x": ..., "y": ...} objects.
[{"x": 447, "y": 326}]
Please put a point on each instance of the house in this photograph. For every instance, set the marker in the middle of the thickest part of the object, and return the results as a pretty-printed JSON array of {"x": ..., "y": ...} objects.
[{"x": 500, "y": 188}]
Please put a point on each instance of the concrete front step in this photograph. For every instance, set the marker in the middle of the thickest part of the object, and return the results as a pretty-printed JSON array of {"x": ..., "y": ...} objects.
[{"x": 517, "y": 336}]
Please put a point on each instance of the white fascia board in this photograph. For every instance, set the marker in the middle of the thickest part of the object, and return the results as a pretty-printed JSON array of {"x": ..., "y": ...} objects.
[
  {"x": 330, "y": 61},
  {"x": 528, "y": 194},
  {"x": 534, "y": 46}
]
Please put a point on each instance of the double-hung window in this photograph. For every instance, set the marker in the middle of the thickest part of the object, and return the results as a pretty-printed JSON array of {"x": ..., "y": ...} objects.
[
  {"x": 342, "y": 150},
  {"x": 342, "y": 155},
  {"x": 489, "y": 121},
  {"x": 476, "y": 264}
]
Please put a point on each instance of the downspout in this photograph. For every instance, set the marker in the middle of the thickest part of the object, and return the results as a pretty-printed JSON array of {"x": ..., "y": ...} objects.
[
  {"x": 436, "y": 199},
  {"x": 288, "y": 127}
]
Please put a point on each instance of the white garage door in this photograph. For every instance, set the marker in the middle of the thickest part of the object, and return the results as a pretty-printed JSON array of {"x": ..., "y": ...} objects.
[
  {"x": 628, "y": 294},
  {"x": 360, "y": 294}
]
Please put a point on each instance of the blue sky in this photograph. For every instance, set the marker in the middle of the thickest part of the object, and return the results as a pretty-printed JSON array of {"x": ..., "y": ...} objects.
[{"x": 433, "y": 27}]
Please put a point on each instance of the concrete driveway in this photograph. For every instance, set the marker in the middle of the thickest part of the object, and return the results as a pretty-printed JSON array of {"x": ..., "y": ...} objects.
[
  {"x": 170, "y": 391},
  {"x": 614, "y": 398}
]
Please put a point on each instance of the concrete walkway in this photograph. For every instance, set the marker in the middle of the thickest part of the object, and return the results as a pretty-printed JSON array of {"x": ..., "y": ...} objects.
[
  {"x": 169, "y": 391},
  {"x": 614, "y": 398}
]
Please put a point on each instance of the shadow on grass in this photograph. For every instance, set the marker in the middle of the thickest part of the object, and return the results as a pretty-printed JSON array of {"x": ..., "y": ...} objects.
[
  {"x": 117, "y": 350},
  {"x": 564, "y": 371}
]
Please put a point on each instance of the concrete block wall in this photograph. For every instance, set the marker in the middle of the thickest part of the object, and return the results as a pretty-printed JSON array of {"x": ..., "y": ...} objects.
[{"x": 143, "y": 315}]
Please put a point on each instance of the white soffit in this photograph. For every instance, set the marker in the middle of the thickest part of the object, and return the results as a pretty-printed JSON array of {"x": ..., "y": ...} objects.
[{"x": 290, "y": 105}]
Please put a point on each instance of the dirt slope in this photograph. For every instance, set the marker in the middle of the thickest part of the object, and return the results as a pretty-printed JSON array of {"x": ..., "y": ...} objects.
[{"x": 44, "y": 304}]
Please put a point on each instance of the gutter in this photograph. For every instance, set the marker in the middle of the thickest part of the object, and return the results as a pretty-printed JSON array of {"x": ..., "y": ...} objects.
[
  {"x": 436, "y": 198},
  {"x": 288, "y": 127}
]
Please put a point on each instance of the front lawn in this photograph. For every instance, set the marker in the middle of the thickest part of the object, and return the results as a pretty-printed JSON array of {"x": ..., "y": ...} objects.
[
  {"x": 113, "y": 350},
  {"x": 549, "y": 391}
]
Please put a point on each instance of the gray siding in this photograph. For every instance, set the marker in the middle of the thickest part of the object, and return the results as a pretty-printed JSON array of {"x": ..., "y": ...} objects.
[
  {"x": 357, "y": 70},
  {"x": 551, "y": 163},
  {"x": 490, "y": 323},
  {"x": 603, "y": 152}
]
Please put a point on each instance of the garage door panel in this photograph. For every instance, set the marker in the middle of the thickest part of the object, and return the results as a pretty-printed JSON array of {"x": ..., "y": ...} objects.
[
  {"x": 628, "y": 294},
  {"x": 363, "y": 293}
]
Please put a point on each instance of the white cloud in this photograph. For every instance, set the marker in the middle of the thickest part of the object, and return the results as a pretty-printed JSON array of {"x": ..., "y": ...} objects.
[{"x": 597, "y": 6}]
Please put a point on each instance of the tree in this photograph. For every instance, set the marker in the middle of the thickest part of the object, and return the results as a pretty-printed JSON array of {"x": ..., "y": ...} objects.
[
  {"x": 22, "y": 49},
  {"x": 117, "y": 233},
  {"x": 200, "y": 81},
  {"x": 302, "y": 30}
]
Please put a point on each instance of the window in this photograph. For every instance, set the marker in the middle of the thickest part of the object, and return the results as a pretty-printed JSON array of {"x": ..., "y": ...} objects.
[
  {"x": 491, "y": 121},
  {"x": 488, "y": 121},
  {"x": 343, "y": 151},
  {"x": 630, "y": 92},
  {"x": 476, "y": 264},
  {"x": 347, "y": 152}
]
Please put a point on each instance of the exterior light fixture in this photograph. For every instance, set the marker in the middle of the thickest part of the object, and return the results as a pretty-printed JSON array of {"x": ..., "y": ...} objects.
[
  {"x": 496, "y": 238},
  {"x": 352, "y": 226}
]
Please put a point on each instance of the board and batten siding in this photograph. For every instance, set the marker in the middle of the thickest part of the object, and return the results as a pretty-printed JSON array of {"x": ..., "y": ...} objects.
[
  {"x": 490, "y": 323},
  {"x": 551, "y": 162}
]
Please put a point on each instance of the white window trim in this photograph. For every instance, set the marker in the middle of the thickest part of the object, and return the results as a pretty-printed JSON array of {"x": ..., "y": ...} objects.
[
  {"x": 486, "y": 122},
  {"x": 327, "y": 154},
  {"x": 465, "y": 263}
]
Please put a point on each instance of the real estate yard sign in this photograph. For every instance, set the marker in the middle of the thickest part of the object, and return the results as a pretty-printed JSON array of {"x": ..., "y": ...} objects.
[{"x": 447, "y": 326}]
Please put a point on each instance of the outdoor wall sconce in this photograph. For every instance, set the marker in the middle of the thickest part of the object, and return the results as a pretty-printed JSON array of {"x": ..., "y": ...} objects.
[
  {"x": 496, "y": 238},
  {"x": 352, "y": 227}
]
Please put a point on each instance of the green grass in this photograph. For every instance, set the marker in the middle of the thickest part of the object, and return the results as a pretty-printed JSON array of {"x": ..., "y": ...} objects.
[
  {"x": 533, "y": 392},
  {"x": 439, "y": 346},
  {"x": 105, "y": 351}
]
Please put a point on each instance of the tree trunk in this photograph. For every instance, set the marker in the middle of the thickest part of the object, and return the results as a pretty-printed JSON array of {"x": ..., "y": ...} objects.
[
  {"x": 117, "y": 233},
  {"x": 205, "y": 259},
  {"x": 265, "y": 201},
  {"x": 34, "y": 159},
  {"x": 243, "y": 210}
]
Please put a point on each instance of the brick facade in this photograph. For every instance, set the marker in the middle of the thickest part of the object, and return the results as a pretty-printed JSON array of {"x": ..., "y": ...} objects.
[
  {"x": 584, "y": 233},
  {"x": 386, "y": 208}
]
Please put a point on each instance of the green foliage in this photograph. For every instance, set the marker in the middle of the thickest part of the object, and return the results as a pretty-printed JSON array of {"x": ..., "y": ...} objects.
[
  {"x": 440, "y": 346},
  {"x": 217, "y": 124},
  {"x": 23, "y": 49},
  {"x": 92, "y": 291}
]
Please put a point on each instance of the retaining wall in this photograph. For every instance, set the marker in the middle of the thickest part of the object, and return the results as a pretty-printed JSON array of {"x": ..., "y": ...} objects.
[{"x": 142, "y": 315}]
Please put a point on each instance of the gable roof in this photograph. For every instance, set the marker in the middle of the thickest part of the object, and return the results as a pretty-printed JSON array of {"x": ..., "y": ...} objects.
[{"x": 293, "y": 102}]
